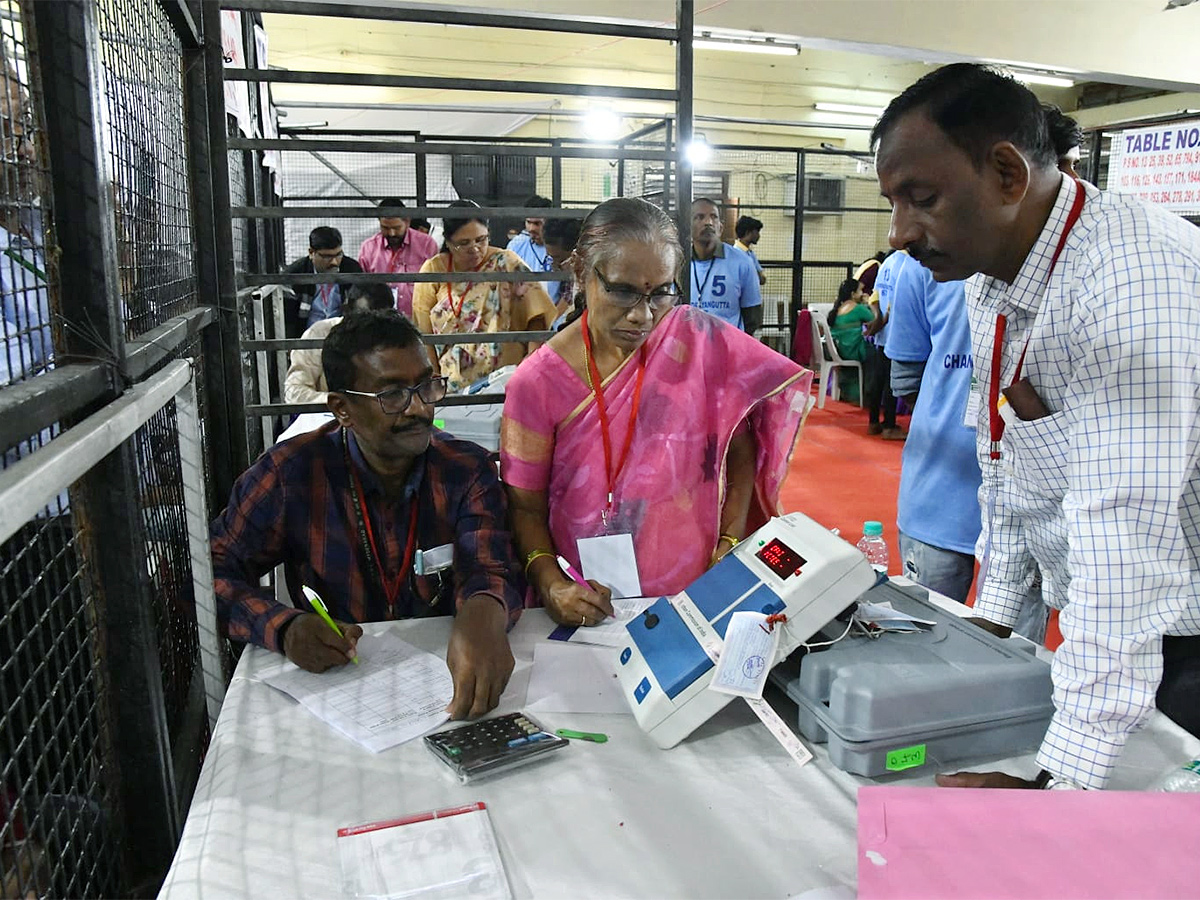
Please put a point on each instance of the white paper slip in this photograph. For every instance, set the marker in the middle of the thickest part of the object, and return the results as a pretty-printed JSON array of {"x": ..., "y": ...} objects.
[
  {"x": 879, "y": 613},
  {"x": 443, "y": 853},
  {"x": 395, "y": 694},
  {"x": 747, "y": 657},
  {"x": 574, "y": 679},
  {"x": 611, "y": 632},
  {"x": 610, "y": 560}
]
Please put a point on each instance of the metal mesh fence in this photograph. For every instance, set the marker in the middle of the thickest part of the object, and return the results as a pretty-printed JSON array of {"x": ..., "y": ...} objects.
[
  {"x": 148, "y": 152},
  {"x": 28, "y": 283},
  {"x": 59, "y": 831}
]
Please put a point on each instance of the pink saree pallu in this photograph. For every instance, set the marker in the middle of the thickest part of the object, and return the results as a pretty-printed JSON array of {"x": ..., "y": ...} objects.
[{"x": 704, "y": 382}]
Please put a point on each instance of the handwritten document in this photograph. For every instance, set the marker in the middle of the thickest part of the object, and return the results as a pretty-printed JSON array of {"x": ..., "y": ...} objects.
[{"x": 395, "y": 694}]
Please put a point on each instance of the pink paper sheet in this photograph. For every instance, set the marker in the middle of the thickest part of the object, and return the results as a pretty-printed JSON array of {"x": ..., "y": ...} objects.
[{"x": 961, "y": 843}]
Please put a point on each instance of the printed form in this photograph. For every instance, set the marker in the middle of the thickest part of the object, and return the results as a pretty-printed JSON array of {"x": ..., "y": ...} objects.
[{"x": 395, "y": 694}]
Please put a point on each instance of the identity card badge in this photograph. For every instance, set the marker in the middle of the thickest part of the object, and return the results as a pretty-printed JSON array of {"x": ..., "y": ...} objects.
[
  {"x": 974, "y": 404},
  {"x": 747, "y": 657},
  {"x": 429, "y": 562}
]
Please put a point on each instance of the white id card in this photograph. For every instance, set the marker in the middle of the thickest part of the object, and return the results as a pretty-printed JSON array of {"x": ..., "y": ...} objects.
[
  {"x": 974, "y": 404},
  {"x": 610, "y": 560},
  {"x": 747, "y": 656}
]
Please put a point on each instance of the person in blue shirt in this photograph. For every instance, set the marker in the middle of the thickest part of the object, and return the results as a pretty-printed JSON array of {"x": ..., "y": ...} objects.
[
  {"x": 724, "y": 279},
  {"x": 530, "y": 245},
  {"x": 929, "y": 342}
]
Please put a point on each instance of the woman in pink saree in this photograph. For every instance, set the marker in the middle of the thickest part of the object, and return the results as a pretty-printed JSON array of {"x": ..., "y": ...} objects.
[{"x": 643, "y": 418}]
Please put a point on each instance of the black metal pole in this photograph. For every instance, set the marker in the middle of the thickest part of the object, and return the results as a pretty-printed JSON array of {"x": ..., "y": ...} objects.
[
  {"x": 797, "y": 248},
  {"x": 1095, "y": 142},
  {"x": 422, "y": 174},
  {"x": 105, "y": 501},
  {"x": 220, "y": 419},
  {"x": 684, "y": 20},
  {"x": 556, "y": 177}
]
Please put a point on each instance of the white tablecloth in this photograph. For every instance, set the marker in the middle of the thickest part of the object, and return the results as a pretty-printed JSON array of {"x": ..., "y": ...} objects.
[{"x": 724, "y": 814}]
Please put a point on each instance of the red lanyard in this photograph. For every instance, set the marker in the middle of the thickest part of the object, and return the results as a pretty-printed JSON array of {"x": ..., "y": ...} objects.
[
  {"x": 602, "y": 409},
  {"x": 996, "y": 422},
  {"x": 391, "y": 586},
  {"x": 457, "y": 310}
]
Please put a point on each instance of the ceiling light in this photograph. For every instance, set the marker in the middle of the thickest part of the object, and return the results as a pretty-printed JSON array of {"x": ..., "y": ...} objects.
[
  {"x": 698, "y": 151},
  {"x": 601, "y": 124},
  {"x": 1048, "y": 80},
  {"x": 748, "y": 47},
  {"x": 852, "y": 109}
]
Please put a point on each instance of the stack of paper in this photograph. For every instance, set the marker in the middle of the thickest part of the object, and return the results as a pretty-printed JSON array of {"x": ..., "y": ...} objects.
[{"x": 395, "y": 694}]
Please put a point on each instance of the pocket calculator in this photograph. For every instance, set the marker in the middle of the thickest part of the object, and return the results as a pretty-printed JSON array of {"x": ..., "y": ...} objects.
[{"x": 493, "y": 745}]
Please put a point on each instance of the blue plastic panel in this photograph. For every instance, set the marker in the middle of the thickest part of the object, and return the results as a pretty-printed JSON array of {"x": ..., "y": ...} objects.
[
  {"x": 669, "y": 648},
  {"x": 763, "y": 600},
  {"x": 720, "y": 586}
]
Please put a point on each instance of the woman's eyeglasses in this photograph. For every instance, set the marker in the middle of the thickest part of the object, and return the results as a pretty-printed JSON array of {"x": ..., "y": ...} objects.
[
  {"x": 395, "y": 401},
  {"x": 480, "y": 242},
  {"x": 660, "y": 298}
]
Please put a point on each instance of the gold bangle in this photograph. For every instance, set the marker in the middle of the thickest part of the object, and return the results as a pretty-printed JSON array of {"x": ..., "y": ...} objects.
[
  {"x": 535, "y": 554},
  {"x": 733, "y": 542}
]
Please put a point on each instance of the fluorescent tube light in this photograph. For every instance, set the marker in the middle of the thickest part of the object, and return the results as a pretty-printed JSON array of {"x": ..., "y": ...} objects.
[
  {"x": 1048, "y": 80},
  {"x": 852, "y": 109},
  {"x": 748, "y": 47}
]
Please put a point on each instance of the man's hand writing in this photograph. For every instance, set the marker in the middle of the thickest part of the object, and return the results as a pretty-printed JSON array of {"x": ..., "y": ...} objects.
[
  {"x": 479, "y": 658},
  {"x": 314, "y": 646}
]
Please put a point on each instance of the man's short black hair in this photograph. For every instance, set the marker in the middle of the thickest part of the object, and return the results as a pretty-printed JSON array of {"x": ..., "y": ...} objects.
[
  {"x": 391, "y": 201},
  {"x": 747, "y": 224},
  {"x": 378, "y": 296},
  {"x": 359, "y": 333},
  {"x": 1065, "y": 132},
  {"x": 708, "y": 200},
  {"x": 419, "y": 223},
  {"x": 561, "y": 233},
  {"x": 976, "y": 107},
  {"x": 537, "y": 201},
  {"x": 324, "y": 237}
]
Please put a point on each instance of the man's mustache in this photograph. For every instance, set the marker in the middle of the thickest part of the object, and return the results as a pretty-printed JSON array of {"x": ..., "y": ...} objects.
[{"x": 412, "y": 423}]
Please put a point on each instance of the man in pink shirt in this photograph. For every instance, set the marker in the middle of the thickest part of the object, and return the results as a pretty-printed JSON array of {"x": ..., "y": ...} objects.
[{"x": 396, "y": 248}]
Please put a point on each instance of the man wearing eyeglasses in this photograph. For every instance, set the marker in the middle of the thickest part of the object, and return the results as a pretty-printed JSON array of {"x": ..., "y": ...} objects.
[
  {"x": 724, "y": 278},
  {"x": 530, "y": 245},
  {"x": 314, "y": 302},
  {"x": 350, "y": 508}
]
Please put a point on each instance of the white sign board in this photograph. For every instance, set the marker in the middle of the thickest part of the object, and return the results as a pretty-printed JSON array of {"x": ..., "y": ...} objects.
[{"x": 1161, "y": 165}]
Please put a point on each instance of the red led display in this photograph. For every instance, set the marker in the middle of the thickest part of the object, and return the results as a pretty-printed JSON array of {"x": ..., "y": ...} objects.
[{"x": 780, "y": 558}]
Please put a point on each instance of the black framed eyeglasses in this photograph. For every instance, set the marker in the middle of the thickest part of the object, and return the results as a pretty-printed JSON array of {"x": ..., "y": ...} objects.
[
  {"x": 660, "y": 298},
  {"x": 395, "y": 401}
]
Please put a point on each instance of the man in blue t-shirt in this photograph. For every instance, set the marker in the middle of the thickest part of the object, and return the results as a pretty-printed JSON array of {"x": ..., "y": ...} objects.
[
  {"x": 929, "y": 343},
  {"x": 724, "y": 279},
  {"x": 530, "y": 246}
]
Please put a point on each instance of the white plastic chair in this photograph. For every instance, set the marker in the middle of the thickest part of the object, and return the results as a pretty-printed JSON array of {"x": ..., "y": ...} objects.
[{"x": 829, "y": 360}]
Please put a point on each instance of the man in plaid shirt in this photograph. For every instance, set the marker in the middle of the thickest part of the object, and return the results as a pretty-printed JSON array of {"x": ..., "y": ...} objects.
[{"x": 346, "y": 508}]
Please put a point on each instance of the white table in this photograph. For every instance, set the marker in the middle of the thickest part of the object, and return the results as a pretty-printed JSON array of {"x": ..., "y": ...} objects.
[{"x": 724, "y": 814}]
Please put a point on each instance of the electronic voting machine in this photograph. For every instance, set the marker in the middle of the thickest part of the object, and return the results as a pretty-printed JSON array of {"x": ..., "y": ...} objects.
[{"x": 791, "y": 565}]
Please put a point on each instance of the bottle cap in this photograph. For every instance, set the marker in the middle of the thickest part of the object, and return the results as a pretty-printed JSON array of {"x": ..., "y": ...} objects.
[{"x": 872, "y": 529}]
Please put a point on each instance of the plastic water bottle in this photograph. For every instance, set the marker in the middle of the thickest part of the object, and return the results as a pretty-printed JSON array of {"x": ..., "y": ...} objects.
[
  {"x": 1185, "y": 779},
  {"x": 873, "y": 546}
]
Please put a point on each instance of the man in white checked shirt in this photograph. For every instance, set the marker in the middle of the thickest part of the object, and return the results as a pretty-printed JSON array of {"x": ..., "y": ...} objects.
[{"x": 1091, "y": 474}]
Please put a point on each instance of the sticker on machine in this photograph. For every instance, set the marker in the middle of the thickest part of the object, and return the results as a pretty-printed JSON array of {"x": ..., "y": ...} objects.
[{"x": 747, "y": 657}]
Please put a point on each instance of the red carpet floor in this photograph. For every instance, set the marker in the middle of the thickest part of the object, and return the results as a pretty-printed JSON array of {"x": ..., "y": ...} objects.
[{"x": 841, "y": 477}]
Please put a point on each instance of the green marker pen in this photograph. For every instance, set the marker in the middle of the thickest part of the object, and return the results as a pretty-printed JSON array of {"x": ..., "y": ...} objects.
[
  {"x": 318, "y": 606},
  {"x": 594, "y": 736}
]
